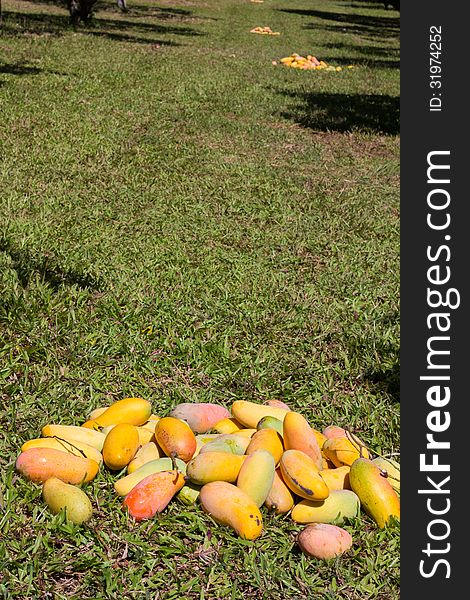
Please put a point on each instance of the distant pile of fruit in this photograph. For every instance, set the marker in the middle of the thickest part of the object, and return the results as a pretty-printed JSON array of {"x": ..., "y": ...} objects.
[
  {"x": 233, "y": 463},
  {"x": 307, "y": 62},
  {"x": 264, "y": 31}
]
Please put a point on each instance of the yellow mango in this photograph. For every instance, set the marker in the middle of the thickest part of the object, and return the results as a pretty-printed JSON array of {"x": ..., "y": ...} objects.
[
  {"x": 230, "y": 442},
  {"x": 378, "y": 498},
  {"x": 60, "y": 496},
  {"x": 343, "y": 451},
  {"x": 120, "y": 446},
  {"x": 229, "y": 505},
  {"x": 152, "y": 495},
  {"x": 321, "y": 438},
  {"x": 133, "y": 411},
  {"x": 392, "y": 468},
  {"x": 267, "y": 439},
  {"x": 144, "y": 454},
  {"x": 249, "y": 433},
  {"x": 73, "y": 433},
  {"x": 200, "y": 416},
  {"x": 256, "y": 475},
  {"x": 302, "y": 476},
  {"x": 298, "y": 435},
  {"x": 279, "y": 499},
  {"x": 175, "y": 438},
  {"x": 214, "y": 466},
  {"x": 249, "y": 414},
  {"x": 97, "y": 412},
  {"x": 336, "y": 509},
  {"x": 337, "y": 478},
  {"x": 125, "y": 484},
  {"x": 39, "y": 464},
  {"x": 227, "y": 425},
  {"x": 76, "y": 448},
  {"x": 146, "y": 435}
]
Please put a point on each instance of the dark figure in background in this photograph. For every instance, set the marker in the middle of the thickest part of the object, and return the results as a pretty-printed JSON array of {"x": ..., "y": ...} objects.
[
  {"x": 81, "y": 10},
  {"x": 393, "y": 3}
]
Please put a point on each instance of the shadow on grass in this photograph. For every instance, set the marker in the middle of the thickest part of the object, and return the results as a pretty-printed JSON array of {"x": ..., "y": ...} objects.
[
  {"x": 323, "y": 111},
  {"x": 27, "y": 264},
  {"x": 15, "y": 23},
  {"x": 362, "y": 25}
]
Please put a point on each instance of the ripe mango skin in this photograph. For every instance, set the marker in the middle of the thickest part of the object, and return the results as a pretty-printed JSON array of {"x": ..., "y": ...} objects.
[
  {"x": 227, "y": 442},
  {"x": 271, "y": 423},
  {"x": 231, "y": 506},
  {"x": 202, "y": 416},
  {"x": 256, "y": 475},
  {"x": 343, "y": 451},
  {"x": 324, "y": 541},
  {"x": 267, "y": 439},
  {"x": 249, "y": 414},
  {"x": 392, "y": 468},
  {"x": 333, "y": 431},
  {"x": 279, "y": 499},
  {"x": 40, "y": 464},
  {"x": 120, "y": 446},
  {"x": 227, "y": 425},
  {"x": 277, "y": 404},
  {"x": 339, "y": 506},
  {"x": 298, "y": 435},
  {"x": 125, "y": 484},
  {"x": 134, "y": 411},
  {"x": 214, "y": 466},
  {"x": 144, "y": 454},
  {"x": 336, "y": 478},
  {"x": 73, "y": 433},
  {"x": 76, "y": 448},
  {"x": 175, "y": 438},
  {"x": 378, "y": 498},
  {"x": 302, "y": 476},
  {"x": 69, "y": 498},
  {"x": 153, "y": 494}
]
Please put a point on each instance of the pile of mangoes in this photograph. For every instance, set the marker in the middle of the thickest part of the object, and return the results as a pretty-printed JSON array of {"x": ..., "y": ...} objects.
[
  {"x": 234, "y": 464},
  {"x": 307, "y": 62},
  {"x": 264, "y": 31}
]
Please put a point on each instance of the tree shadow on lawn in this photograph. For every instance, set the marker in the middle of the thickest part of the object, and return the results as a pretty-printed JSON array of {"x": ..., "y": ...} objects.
[
  {"x": 15, "y": 23},
  {"x": 322, "y": 111},
  {"x": 362, "y": 25}
]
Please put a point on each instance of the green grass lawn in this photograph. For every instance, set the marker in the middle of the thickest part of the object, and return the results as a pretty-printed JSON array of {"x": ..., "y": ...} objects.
[{"x": 182, "y": 220}]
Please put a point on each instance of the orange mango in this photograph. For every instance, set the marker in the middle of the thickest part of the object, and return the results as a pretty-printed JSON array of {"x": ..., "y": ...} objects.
[
  {"x": 227, "y": 425},
  {"x": 279, "y": 499},
  {"x": 125, "y": 484},
  {"x": 267, "y": 439},
  {"x": 39, "y": 464},
  {"x": 336, "y": 479},
  {"x": 231, "y": 506},
  {"x": 302, "y": 476},
  {"x": 120, "y": 446},
  {"x": 134, "y": 411},
  {"x": 153, "y": 494},
  {"x": 298, "y": 435},
  {"x": 343, "y": 451},
  {"x": 175, "y": 438}
]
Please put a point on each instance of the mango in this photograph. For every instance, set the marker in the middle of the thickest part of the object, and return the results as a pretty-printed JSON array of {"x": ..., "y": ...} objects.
[
  {"x": 271, "y": 423},
  {"x": 392, "y": 468},
  {"x": 321, "y": 439},
  {"x": 146, "y": 435},
  {"x": 134, "y": 411},
  {"x": 189, "y": 493},
  {"x": 267, "y": 439},
  {"x": 229, "y": 505},
  {"x": 277, "y": 404},
  {"x": 337, "y": 478},
  {"x": 40, "y": 464},
  {"x": 324, "y": 541},
  {"x": 227, "y": 425},
  {"x": 249, "y": 414},
  {"x": 125, "y": 484},
  {"x": 73, "y": 433},
  {"x": 144, "y": 454},
  {"x": 230, "y": 442},
  {"x": 338, "y": 507},
  {"x": 279, "y": 499},
  {"x": 153, "y": 494},
  {"x": 97, "y": 412},
  {"x": 333, "y": 431},
  {"x": 343, "y": 451},
  {"x": 214, "y": 466},
  {"x": 202, "y": 416},
  {"x": 175, "y": 438},
  {"x": 256, "y": 475},
  {"x": 60, "y": 496},
  {"x": 76, "y": 448},
  {"x": 378, "y": 498},
  {"x": 298, "y": 435},
  {"x": 249, "y": 433},
  {"x": 302, "y": 476},
  {"x": 120, "y": 446},
  {"x": 202, "y": 439}
]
